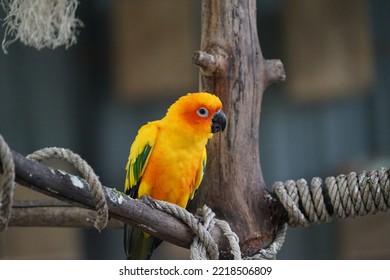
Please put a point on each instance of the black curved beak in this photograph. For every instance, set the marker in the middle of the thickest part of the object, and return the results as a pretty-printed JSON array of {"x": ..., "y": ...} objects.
[{"x": 218, "y": 122}]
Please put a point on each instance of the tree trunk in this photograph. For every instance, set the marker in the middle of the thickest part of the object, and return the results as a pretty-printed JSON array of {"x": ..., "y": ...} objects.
[{"x": 233, "y": 68}]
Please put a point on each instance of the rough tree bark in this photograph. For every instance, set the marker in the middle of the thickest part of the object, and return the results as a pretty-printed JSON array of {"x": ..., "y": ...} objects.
[{"x": 232, "y": 67}]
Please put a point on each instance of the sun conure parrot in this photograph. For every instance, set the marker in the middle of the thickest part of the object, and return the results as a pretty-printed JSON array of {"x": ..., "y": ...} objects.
[{"x": 168, "y": 157}]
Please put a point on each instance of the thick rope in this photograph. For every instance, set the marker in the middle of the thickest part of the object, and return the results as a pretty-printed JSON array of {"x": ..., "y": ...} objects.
[
  {"x": 273, "y": 249},
  {"x": 210, "y": 247},
  {"x": 231, "y": 237},
  {"x": 198, "y": 250},
  {"x": 7, "y": 184},
  {"x": 204, "y": 246},
  {"x": 344, "y": 196},
  {"x": 87, "y": 173}
]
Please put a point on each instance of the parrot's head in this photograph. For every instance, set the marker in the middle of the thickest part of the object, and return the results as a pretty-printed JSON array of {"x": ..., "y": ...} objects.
[{"x": 199, "y": 112}]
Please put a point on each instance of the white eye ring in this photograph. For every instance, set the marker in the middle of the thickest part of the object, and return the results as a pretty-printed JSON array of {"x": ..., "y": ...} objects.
[{"x": 203, "y": 112}]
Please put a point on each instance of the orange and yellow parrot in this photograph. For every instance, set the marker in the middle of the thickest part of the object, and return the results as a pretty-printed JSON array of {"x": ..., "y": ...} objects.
[{"x": 168, "y": 157}]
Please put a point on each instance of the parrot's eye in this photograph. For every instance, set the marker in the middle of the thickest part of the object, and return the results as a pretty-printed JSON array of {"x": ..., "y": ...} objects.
[{"x": 202, "y": 112}]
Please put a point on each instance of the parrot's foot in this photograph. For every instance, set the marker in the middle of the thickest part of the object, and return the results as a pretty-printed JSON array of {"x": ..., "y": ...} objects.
[{"x": 148, "y": 200}]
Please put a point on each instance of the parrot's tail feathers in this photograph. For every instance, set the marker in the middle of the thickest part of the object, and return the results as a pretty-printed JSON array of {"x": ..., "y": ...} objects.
[{"x": 138, "y": 245}]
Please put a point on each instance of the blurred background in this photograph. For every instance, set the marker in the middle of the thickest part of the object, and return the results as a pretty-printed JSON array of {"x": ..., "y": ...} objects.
[{"x": 133, "y": 58}]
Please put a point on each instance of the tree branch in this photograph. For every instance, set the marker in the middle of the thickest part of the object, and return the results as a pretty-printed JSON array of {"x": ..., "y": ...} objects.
[
  {"x": 274, "y": 71},
  {"x": 232, "y": 67},
  {"x": 60, "y": 185},
  {"x": 54, "y": 213}
]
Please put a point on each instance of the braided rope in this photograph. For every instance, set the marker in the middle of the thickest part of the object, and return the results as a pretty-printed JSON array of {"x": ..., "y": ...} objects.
[
  {"x": 204, "y": 246},
  {"x": 7, "y": 184},
  {"x": 273, "y": 249},
  {"x": 231, "y": 237},
  {"x": 197, "y": 248},
  {"x": 88, "y": 174},
  {"x": 203, "y": 237},
  {"x": 344, "y": 196}
]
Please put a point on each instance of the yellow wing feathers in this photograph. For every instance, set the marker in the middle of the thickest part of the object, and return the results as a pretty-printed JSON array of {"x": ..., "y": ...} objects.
[{"x": 200, "y": 173}]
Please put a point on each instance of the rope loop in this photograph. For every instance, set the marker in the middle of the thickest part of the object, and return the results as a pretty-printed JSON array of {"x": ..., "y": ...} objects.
[
  {"x": 87, "y": 173},
  {"x": 7, "y": 184}
]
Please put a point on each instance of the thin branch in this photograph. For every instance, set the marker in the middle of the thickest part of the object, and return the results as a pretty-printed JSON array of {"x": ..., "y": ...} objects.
[
  {"x": 54, "y": 213},
  {"x": 207, "y": 62},
  {"x": 274, "y": 71}
]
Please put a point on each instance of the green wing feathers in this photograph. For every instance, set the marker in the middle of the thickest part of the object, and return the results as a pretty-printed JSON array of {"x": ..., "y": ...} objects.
[
  {"x": 139, "y": 155},
  {"x": 137, "y": 244},
  {"x": 135, "y": 170}
]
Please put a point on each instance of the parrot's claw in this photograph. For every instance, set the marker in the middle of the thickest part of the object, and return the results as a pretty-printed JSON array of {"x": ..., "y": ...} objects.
[{"x": 148, "y": 200}]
